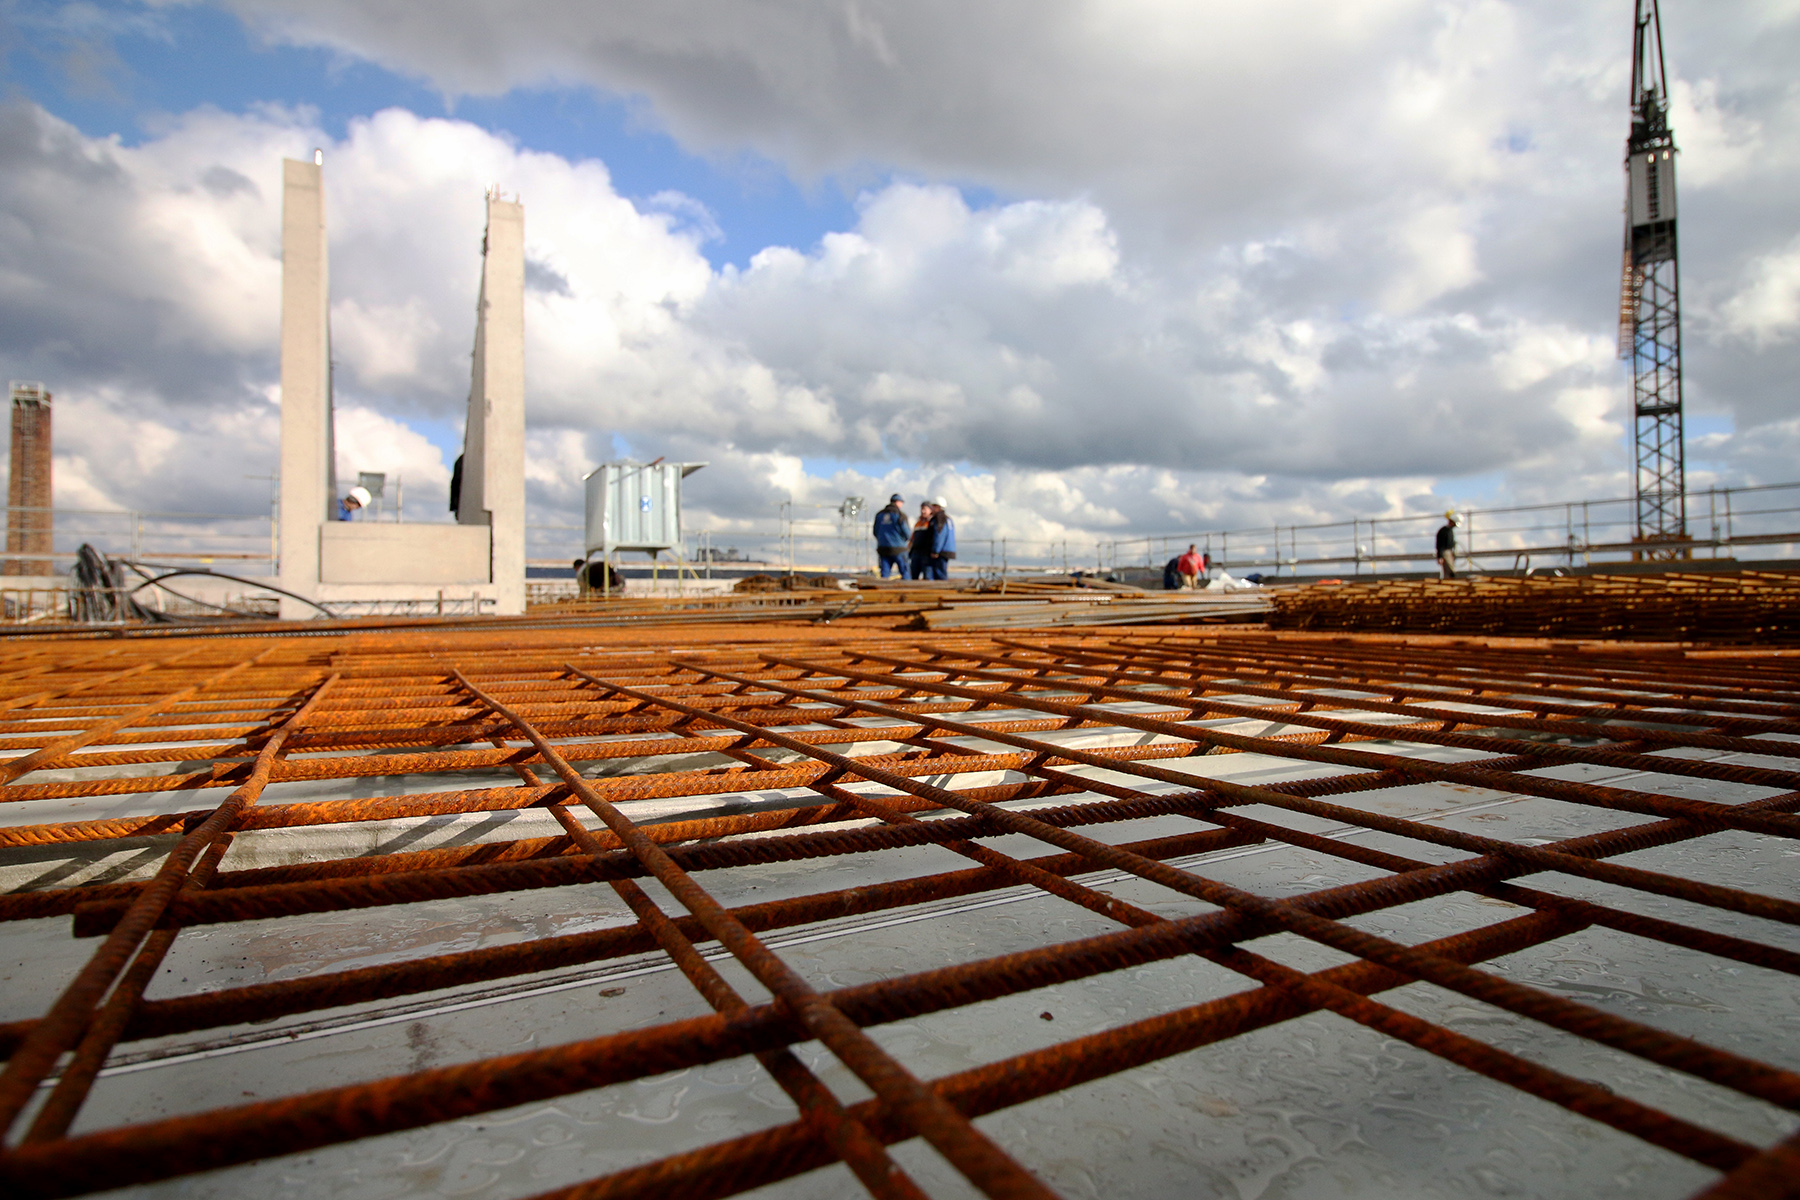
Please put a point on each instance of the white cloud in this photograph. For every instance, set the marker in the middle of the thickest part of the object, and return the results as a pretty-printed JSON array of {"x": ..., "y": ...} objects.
[
  {"x": 381, "y": 343},
  {"x": 121, "y": 447},
  {"x": 1765, "y": 309},
  {"x": 1719, "y": 144},
  {"x": 371, "y": 441},
  {"x": 1537, "y": 352},
  {"x": 1015, "y": 337},
  {"x": 1435, "y": 254},
  {"x": 1250, "y": 262},
  {"x": 1147, "y": 102}
]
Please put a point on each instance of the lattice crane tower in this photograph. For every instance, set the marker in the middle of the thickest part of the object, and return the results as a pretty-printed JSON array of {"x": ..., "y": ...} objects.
[{"x": 1650, "y": 295}]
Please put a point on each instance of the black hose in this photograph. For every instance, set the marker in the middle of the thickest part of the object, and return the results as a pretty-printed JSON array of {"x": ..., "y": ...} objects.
[
  {"x": 157, "y": 581},
  {"x": 99, "y": 594},
  {"x": 102, "y": 592}
]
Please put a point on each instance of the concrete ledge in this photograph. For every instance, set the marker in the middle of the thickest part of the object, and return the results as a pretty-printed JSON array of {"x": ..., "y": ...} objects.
[{"x": 355, "y": 552}]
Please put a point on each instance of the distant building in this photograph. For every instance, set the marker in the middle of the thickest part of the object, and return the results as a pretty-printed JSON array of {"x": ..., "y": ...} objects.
[{"x": 28, "y": 530}]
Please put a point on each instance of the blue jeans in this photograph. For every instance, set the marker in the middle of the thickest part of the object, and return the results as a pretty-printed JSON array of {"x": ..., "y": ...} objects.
[
  {"x": 940, "y": 568},
  {"x": 895, "y": 557}
]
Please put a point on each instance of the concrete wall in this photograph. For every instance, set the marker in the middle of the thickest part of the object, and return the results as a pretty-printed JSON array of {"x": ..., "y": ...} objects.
[
  {"x": 328, "y": 560},
  {"x": 493, "y": 479},
  {"x": 306, "y": 442},
  {"x": 375, "y": 552}
]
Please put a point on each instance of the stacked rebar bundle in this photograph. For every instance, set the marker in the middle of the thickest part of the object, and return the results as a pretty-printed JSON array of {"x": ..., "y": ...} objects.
[
  {"x": 1740, "y": 606},
  {"x": 1145, "y": 608},
  {"x": 686, "y": 867}
]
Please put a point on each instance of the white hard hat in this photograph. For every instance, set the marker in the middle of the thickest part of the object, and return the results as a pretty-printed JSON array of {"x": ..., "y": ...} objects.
[
  {"x": 940, "y": 501},
  {"x": 361, "y": 496}
]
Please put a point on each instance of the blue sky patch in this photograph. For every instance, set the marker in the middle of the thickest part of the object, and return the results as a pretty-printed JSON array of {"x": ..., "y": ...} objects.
[{"x": 113, "y": 70}]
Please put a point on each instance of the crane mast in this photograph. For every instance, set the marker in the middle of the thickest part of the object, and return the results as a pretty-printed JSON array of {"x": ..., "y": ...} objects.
[{"x": 1650, "y": 299}]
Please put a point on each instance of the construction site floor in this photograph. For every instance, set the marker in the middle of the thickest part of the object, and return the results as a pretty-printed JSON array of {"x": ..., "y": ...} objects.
[{"x": 812, "y": 910}]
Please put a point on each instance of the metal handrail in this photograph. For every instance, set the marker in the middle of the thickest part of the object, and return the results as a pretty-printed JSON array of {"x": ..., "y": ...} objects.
[
  {"x": 1353, "y": 542},
  {"x": 1722, "y": 518}
]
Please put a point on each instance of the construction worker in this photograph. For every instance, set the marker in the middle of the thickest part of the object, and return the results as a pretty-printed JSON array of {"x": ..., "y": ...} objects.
[
  {"x": 1446, "y": 547},
  {"x": 355, "y": 502},
  {"x": 597, "y": 577},
  {"x": 892, "y": 532},
  {"x": 943, "y": 538},
  {"x": 1190, "y": 567},
  {"x": 918, "y": 550}
]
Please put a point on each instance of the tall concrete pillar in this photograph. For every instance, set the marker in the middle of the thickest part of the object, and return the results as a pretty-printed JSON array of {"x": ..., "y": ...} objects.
[
  {"x": 479, "y": 562},
  {"x": 493, "y": 476},
  {"x": 307, "y": 468}
]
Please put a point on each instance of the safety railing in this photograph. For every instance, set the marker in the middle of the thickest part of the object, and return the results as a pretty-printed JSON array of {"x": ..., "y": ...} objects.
[
  {"x": 44, "y": 541},
  {"x": 1760, "y": 522},
  {"x": 28, "y": 605},
  {"x": 787, "y": 543},
  {"x": 90, "y": 605}
]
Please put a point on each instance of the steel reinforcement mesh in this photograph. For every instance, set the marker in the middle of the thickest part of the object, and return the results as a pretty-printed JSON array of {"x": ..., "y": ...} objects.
[{"x": 1199, "y": 840}]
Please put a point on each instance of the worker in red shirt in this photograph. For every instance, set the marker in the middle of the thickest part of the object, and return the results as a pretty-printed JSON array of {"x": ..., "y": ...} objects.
[{"x": 1191, "y": 566}]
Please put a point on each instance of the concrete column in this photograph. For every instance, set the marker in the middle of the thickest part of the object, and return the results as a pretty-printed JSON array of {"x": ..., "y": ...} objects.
[
  {"x": 307, "y": 469},
  {"x": 493, "y": 480}
]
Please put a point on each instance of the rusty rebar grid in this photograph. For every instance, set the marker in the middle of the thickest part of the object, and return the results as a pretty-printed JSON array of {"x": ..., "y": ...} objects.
[{"x": 1041, "y": 759}]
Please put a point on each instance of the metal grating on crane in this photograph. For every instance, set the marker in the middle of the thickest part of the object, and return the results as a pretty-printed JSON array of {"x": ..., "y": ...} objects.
[{"x": 565, "y": 914}]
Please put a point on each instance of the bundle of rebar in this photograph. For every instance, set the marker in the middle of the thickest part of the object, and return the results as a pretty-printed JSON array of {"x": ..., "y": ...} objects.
[
  {"x": 696, "y": 852},
  {"x": 1739, "y": 606},
  {"x": 1142, "y": 608}
]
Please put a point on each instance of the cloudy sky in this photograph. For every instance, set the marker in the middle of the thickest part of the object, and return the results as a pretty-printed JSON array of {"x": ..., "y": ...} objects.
[{"x": 1090, "y": 269}]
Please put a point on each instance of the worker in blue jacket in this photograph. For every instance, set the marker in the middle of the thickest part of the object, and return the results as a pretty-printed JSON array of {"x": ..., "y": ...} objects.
[
  {"x": 943, "y": 538},
  {"x": 893, "y": 529}
]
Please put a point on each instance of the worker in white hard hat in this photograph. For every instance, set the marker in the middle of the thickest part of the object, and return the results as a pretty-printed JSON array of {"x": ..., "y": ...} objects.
[
  {"x": 355, "y": 502},
  {"x": 1446, "y": 547},
  {"x": 943, "y": 538}
]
